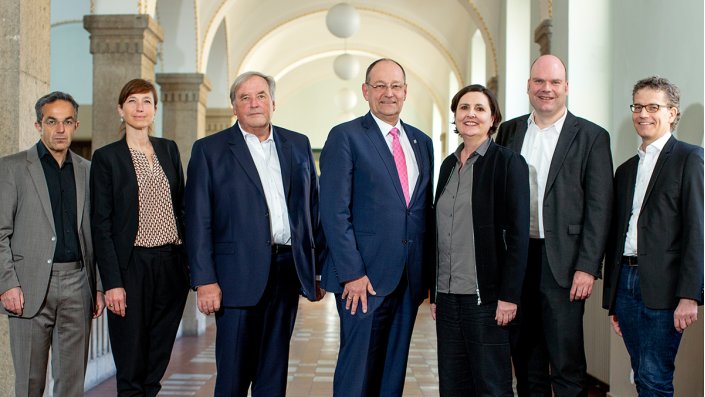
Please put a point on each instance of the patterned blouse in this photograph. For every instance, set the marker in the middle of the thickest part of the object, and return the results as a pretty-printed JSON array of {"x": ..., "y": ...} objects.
[{"x": 157, "y": 224}]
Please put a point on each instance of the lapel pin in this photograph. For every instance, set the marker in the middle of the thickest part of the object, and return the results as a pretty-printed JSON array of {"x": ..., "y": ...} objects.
[{"x": 414, "y": 140}]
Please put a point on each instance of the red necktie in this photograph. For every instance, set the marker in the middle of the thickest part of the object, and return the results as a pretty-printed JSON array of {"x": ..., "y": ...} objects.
[{"x": 400, "y": 161}]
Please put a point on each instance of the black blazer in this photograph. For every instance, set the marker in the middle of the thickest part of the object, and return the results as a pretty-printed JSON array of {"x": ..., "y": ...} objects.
[
  {"x": 115, "y": 207},
  {"x": 500, "y": 210},
  {"x": 670, "y": 228},
  {"x": 578, "y": 200}
]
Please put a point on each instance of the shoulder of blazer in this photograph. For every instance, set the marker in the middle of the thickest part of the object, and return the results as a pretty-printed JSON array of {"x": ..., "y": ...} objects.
[{"x": 585, "y": 125}]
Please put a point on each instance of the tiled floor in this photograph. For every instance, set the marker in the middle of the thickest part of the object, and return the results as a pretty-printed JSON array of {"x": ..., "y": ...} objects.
[{"x": 312, "y": 360}]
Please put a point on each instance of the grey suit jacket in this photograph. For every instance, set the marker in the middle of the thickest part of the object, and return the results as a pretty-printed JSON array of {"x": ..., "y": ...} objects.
[
  {"x": 578, "y": 200},
  {"x": 27, "y": 234},
  {"x": 670, "y": 228}
]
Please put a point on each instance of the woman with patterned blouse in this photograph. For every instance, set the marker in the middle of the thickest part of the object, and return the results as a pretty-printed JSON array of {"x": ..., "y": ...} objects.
[{"x": 137, "y": 222}]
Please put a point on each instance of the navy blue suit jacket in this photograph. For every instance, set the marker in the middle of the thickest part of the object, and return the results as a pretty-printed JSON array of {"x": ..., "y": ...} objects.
[
  {"x": 228, "y": 233},
  {"x": 369, "y": 229}
]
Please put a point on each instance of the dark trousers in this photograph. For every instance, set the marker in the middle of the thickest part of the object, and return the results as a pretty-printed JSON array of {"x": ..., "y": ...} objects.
[
  {"x": 649, "y": 335},
  {"x": 548, "y": 334},
  {"x": 473, "y": 351},
  {"x": 156, "y": 286},
  {"x": 252, "y": 343},
  {"x": 374, "y": 346}
]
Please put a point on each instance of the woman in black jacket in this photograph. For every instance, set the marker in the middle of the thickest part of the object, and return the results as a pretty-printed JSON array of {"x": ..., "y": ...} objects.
[
  {"x": 482, "y": 221},
  {"x": 137, "y": 186}
]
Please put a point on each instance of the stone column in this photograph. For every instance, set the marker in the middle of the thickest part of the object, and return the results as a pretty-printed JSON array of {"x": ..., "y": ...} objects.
[
  {"x": 124, "y": 47},
  {"x": 24, "y": 77},
  {"x": 24, "y": 74},
  {"x": 183, "y": 101},
  {"x": 218, "y": 119},
  {"x": 542, "y": 36}
]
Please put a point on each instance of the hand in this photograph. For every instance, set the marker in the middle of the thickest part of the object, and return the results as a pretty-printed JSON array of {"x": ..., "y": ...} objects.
[
  {"x": 99, "y": 304},
  {"x": 116, "y": 299},
  {"x": 615, "y": 325},
  {"x": 582, "y": 286},
  {"x": 356, "y": 291},
  {"x": 686, "y": 314},
  {"x": 506, "y": 311},
  {"x": 13, "y": 300},
  {"x": 433, "y": 311},
  {"x": 320, "y": 292},
  {"x": 209, "y": 298}
]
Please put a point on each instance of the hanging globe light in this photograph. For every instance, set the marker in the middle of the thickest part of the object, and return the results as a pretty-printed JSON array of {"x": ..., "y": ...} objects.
[
  {"x": 346, "y": 66},
  {"x": 343, "y": 20},
  {"x": 346, "y": 99}
]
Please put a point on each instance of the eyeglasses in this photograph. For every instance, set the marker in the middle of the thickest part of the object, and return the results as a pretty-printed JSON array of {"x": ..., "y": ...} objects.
[
  {"x": 650, "y": 108},
  {"x": 68, "y": 123},
  {"x": 396, "y": 87}
]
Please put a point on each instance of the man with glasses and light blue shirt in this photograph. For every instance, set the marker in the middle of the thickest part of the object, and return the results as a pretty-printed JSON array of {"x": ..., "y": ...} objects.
[
  {"x": 376, "y": 174},
  {"x": 654, "y": 259}
]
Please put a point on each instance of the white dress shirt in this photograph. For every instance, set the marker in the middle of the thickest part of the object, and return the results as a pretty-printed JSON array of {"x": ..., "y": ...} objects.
[
  {"x": 266, "y": 161},
  {"x": 537, "y": 149},
  {"x": 412, "y": 168},
  {"x": 647, "y": 162}
]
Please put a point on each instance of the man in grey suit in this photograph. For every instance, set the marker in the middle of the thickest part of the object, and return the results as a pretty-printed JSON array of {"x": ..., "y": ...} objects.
[
  {"x": 654, "y": 260},
  {"x": 570, "y": 180},
  {"x": 47, "y": 274}
]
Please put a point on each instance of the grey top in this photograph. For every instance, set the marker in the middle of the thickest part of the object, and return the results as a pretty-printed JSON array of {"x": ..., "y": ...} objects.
[{"x": 457, "y": 273}]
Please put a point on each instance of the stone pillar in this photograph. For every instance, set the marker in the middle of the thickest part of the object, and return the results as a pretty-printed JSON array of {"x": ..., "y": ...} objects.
[
  {"x": 24, "y": 77},
  {"x": 218, "y": 119},
  {"x": 124, "y": 47},
  {"x": 183, "y": 101}
]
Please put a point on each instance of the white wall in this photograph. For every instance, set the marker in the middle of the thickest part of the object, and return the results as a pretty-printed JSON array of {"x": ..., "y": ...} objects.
[{"x": 654, "y": 37}]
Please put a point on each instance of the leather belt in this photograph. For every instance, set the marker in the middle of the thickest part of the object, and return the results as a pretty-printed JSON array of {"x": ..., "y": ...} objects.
[
  {"x": 630, "y": 260},
  {"x": 280, "y": 249}
]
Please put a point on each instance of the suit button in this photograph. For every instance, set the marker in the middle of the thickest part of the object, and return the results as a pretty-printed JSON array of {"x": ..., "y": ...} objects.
[
  {"x": 266, "y": 214},
  {"x": 404, "y": 241},
  {"x": 268, "y": 242}
]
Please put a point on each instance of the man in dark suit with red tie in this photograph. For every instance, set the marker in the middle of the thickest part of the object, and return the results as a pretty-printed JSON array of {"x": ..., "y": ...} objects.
[
  {"x": 376, "y": 174},
  {"x": 253, "y": 238},
  {"x": 654, "y": 261}
]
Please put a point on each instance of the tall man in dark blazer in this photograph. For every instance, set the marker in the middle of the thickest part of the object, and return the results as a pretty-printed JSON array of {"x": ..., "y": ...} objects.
[
  {"x": 253, "y": 238},
  {"x": 570, "y": 179},
  {"x": 376, "y": 174},
  {"x": 654, "y": 260},
  {"x": 47, "y": 274}
]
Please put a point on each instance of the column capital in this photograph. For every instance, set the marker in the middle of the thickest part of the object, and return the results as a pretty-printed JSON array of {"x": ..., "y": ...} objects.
[
  {"x": 542, "y": 36},
  {"x": 183, "y": 87},
  {"x": 120, "y": 34}
]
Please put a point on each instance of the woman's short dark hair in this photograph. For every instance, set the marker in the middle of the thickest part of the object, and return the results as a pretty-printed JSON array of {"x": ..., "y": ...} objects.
[{"x": 494, "y": 105}]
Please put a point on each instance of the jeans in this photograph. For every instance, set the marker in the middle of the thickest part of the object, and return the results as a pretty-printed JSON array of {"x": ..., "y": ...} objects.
[
  {"x": 473, "y": 351},
  {"x": 649, "y": 335}
]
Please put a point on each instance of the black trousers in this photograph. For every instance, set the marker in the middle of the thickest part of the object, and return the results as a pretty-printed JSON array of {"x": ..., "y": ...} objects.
[
  {"x": 473, "y": 351},
  {"x": 156, "y": 286},
  {"x": 548, "y": 334}
]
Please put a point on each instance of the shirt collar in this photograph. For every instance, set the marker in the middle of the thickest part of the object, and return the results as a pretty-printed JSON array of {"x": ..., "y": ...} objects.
[
  {"x": 558, "y": 125},
  {"x": 481, "y": 150},
  {"x": 42, "y": 151},
  {"x": 248, "y": 135},
  {"x": 655, "y": 146},
  {"x": 385, "y": 127}
]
